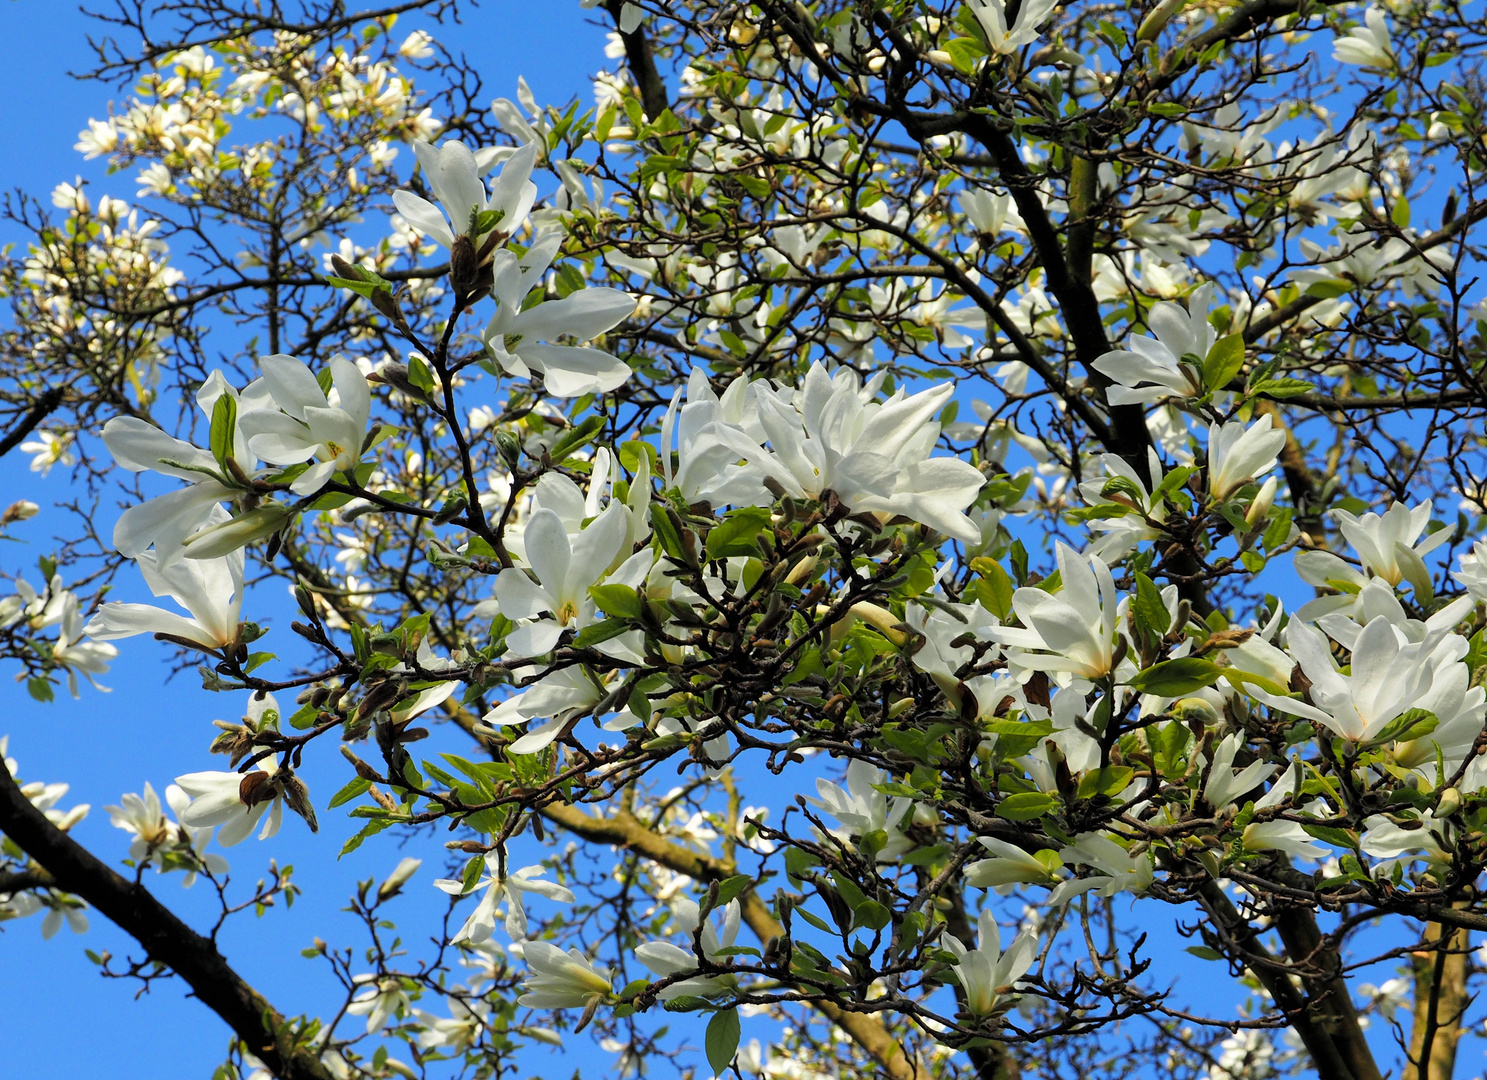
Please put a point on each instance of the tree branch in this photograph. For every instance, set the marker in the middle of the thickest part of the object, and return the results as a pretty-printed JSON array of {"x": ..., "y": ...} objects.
[
  {"x": 642, "y": 63},
  {"x": 166, "y": 939},
  {"x": 43, "y": 407}
]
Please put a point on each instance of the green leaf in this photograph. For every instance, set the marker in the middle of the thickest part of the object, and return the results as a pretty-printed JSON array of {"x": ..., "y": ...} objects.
[
  {"x": 1169, "y": 743},
  {"x": 371, "y": 828},
  {"x": 999, "y": 586},
  {"x": 304, "y": 716},
  {"x": 630, "y": 454},
  {"x": 722, "y": 1040},
  {"x": 1330, "y": 289},
  {"x": 599, "y": 632},
  {"x": 419, "y": 374},
  {"x": 666, "y": 531},
  {"x": 1279, "y": 529},
  {"x": 1109, "y": 781},
  {"x": 1174, "y": 479},
  {"x": 576, "y": 437},
  {"x": 1328, "y": 834},
  {"x": 732, "y": 888},
  {"x": 619, "y": 600},
  {"x": 1026, "y": 805},
  {"x": 1174, "y": 678},
  {"x": 1223, "y": 361},
  {"x": 1203, "y": 952},
  {"x": 738, "y": 534},
  {"x": 224, "y": 427},
  {"x": 360, "y": 288},
  {"x": 357, "y": 787},
  {"x": 871, "y": 914},
  {"x": 1018, "y": 554},
  {"x": 1281, "y": 388},
  {"x": 1151, "y": 612},
  {"x": 1414, "y": 724}
]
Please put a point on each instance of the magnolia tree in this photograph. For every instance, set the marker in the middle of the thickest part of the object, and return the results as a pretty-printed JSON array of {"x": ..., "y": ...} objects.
[{"x": 889, "y": 523}]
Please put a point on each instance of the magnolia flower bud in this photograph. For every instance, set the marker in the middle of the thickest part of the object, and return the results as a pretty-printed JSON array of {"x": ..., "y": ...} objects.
[
  {"x": 1195, "y": 709},
  {"x": 1259, "y": 510},
  {"x": 19, "y": 511},
  {"x": 297, "y": 796},
  {"x": 215, "y": 541},
  {"x": 398, "y": 878},
  {"x": 1160, "y": 15},
  {"x": 464, "y": 266},
  {"x": 1450, "y": 802}
]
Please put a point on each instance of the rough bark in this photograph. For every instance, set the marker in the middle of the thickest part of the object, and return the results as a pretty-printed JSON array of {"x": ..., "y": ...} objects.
[{"x": 1440, "y": 1003}]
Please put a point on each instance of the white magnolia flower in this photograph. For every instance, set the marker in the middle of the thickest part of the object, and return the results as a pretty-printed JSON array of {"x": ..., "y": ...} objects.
[
  {"x": 565, "y": 571},
  {"x": 62, "y": 908},
  {"x": 417, "y": 45},
  {"x": 47, "y": 450},
  {"x": 705, "y": 465},
  {"x": 664, "y": 958},
  {"x": 1009, "y": 865},
  {"x": 1239, "y": 454},
  {"x": 1473, "y": 573},
  {"x": 217, "y": 799},
  {"x": 1388, "y": 677},
  {"x": 987, "y": 974},
  {"x": 79, "y": 657},
  {"x": 155, "y": 834},
  {"x": 1004, "y": 39},
  {"x": 237, "y": 801},
  {"x": 394, "y": 882},
  {"x": 1390, "y": 547},
  {"x": 862, "y": 809},
  {"x": 1369, "y": 45},
  {"x": 310, "y": 428},
  {"x": 1224, "y": 784},
  {"x": 1288, "y": 837},
  {"x": 1153, "y": 367},
  {"x": 1116, "y": 869},
  {"x": 453, "y": 174},
  {"x": 518, "y": 337},
  {"x": 167, "y": 520},
  {"x": 555, "y": 698},
  {"x": 459, "y": 1031},
  {"x": 990, "y": 214},
  {"x": 1072, "y": 630},
  {"x": 1116, "y": 535},
  {"x": 210, "y": 589},
  {"x": 1383, "y": 839},
  {"x": 510, "y": 889},
  {"x": 382, "y": 1000},
  {"x": 561, "y": 980},
  {"x": 874, "y": 456}
]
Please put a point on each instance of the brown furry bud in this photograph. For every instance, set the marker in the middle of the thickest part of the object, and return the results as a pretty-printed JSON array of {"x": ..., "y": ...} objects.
[{"x": 464, "y": 266}]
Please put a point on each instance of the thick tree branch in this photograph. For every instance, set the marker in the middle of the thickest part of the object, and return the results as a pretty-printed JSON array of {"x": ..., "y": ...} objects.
[
  {"x": 1441, "y": 1000},
  {"x": 1241, "y": 942},
  {"x": 1328, "y": 998},
  {"x": 642, "y": 63},
  {"x": 626, "y": 831},
  {"x": 166, "y": 939},
  {"x": 39, "y": 411}
]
